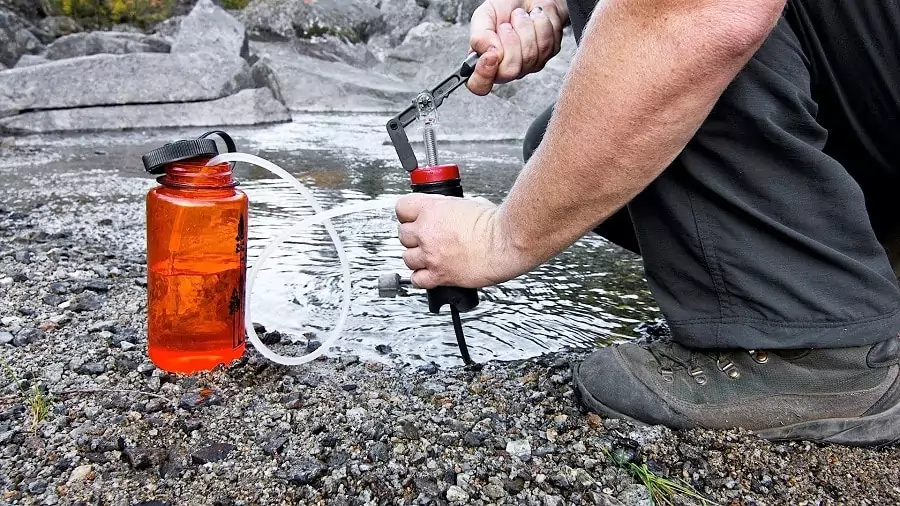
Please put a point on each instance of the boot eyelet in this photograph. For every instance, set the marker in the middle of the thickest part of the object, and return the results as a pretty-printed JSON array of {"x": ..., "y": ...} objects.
[
  {"x": 667, "y": 374},
  {"x": 729, "y": 369},
  {"x": 759, "y": 356},
  {"x": 698, "y": 375}
]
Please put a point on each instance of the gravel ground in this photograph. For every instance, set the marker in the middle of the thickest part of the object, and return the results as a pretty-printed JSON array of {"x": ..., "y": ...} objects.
[{"x": 340, "y": 431}]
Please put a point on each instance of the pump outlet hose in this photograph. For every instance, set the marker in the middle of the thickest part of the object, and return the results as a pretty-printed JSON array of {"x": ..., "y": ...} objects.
[{"x": 321, "y": 217}]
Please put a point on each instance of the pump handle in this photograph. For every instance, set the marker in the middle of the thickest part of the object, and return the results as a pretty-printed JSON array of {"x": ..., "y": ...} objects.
[{"x": 396, "y": 126}]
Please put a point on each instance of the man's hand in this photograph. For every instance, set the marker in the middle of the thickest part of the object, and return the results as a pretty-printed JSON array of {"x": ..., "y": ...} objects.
[
  {"x": 454, "y": 242},
  {"x": 514, "y": 39}
]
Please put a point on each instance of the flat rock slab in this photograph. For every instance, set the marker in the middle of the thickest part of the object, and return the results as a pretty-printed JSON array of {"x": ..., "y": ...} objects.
[
  {"x": 247, "y": 107},
  {"x": 137, "y": 78},
  {"x": 90, "y": 43},
  {"x": 311, "y": 84}
]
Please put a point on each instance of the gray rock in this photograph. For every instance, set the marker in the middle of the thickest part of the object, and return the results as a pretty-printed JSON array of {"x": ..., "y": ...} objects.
[
  {"x": 59, "y": 26},
  {"x": 29, "y": 60},
  {"x": 456, "y": 494},
  {"x": 143, "y": 458},
  {"x": 92, "y": 368},
  {"x": 452, "y": 11},
  {"x": 3, "y": 67},
  {"x": 635, "y": 495},
  {"x": 518, "y": 448},
  {"x": 380, "y": 452},
  {"x": 247, "y": 107},
  {"x": 310, "y": 84},
  {"x": 86, "y": 301},
  {"x": 304, "y": 472},
  {"x": 265, "y": 77},
  {"x": 353, "y": 20},
  {"x": 332, "y": 48},
  {"x": 26, "y": 336},
  {"x": 167, "y": 29},
  {"x": 37, "y": 486},
  {"x": 137, "y": 78},
  {"x": 5, "y": 338},
  {"x": 210, "y": 28},
  {"x": 90, "y": 43},
  {"x": 211, "y": 453},
  {"x": 16, "y": 38},
  {"x": 401, "y": 16}
]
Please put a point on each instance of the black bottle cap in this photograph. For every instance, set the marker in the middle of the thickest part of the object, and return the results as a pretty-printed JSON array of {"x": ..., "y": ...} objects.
[{"x": 156, "y": 160}]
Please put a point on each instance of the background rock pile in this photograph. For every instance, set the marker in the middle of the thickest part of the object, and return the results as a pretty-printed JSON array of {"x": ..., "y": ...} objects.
[{"x": 217, "y": 67}]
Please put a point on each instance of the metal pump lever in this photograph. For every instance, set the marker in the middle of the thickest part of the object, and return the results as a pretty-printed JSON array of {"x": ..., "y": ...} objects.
[{"x": 396, "y": 127}]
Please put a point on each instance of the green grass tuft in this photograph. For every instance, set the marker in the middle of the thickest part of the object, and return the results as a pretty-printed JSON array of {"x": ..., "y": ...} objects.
[
  {"x": 37, "y": 401},
  {"x": 662, "y": 490}
]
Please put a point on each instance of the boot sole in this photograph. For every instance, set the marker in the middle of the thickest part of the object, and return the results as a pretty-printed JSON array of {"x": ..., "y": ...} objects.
[{"x": 878, "y": 430}]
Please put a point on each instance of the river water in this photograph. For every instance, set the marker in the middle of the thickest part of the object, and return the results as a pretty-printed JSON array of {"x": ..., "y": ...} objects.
[{"x": 592, "y": 294}]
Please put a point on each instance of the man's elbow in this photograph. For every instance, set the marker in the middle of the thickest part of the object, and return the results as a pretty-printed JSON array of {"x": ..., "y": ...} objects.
[{"x": 743, "y": 26}]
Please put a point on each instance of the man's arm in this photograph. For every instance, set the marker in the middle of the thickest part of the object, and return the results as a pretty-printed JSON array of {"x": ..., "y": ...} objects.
[{"x": 646, "y": 75}]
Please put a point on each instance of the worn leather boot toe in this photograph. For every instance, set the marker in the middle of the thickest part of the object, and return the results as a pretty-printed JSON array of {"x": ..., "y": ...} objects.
[{"x": 844, "y": 395}]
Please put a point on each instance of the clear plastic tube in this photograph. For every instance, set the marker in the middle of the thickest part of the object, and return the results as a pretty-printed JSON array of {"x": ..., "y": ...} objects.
[{"x": 321, "y": 216}]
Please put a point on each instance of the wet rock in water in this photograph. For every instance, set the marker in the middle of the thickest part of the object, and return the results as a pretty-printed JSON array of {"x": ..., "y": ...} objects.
[
  {"x": 16, "y": 38},
  {"x": 91, "y": 43},
  {"x": 211, "y": 453},
  {"x": 136, "y": 78},
  {"x": 429, "y": 368},
  {"x": 210, "y": 28},
  {"x": 304, "y": 472},
  {"x": 29, "y": 60},
  {"x": 259, "y": 328},
  {"x": 353, "y": 20},
  {"x": 383, "y": 349},
  {"x": 247, "y": 107},
  {"x": 313, "y": 345},
  {"x": 59, "y": 26},
  {"x": 27, "y": 336}
]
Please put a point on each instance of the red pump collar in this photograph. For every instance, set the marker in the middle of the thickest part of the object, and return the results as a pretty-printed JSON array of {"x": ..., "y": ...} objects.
[{"x": 434, "y": 174}]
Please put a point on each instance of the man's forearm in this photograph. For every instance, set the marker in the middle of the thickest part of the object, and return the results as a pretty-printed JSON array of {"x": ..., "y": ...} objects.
[{"x": 645, "y": 76}]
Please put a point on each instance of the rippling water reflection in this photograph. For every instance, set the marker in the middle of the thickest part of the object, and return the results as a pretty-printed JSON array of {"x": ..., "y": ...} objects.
[{"x": 593, "y": 293}]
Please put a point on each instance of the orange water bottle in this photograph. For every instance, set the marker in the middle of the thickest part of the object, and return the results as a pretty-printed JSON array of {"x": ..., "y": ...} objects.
[{"x": 196, "y": 258}]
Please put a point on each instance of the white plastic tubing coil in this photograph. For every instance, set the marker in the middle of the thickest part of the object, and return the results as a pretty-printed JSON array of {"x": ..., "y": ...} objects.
[{"x": 321, "y": 216}]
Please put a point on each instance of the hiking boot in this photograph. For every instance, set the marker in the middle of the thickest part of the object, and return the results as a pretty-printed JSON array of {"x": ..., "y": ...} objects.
[{"x": 847, "y": 396}]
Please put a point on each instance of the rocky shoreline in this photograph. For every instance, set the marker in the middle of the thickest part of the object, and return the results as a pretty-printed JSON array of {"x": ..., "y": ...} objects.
[
  {"x": 215, "y": 67},
  {"x": 85, "y": 418}
]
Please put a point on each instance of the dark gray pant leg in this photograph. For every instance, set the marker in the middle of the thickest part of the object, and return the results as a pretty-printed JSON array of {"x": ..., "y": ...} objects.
[{"x": 756, "y": 237}]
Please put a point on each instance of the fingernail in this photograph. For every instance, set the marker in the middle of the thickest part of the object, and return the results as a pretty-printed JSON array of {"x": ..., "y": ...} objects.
[
  {"x": 520, "y": 12},
  {"x": 506, "y": 26},
  {"x": 537, "y": 12}
]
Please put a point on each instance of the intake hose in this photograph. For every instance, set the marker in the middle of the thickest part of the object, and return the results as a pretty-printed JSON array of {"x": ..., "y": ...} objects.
[{"x": 321, "y": 216}]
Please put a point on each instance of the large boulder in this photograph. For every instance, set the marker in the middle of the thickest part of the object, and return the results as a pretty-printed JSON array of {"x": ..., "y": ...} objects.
[
  {"x": 16, "y": 38},
  {"x": 331, "y": 48},
  {"x": 209, "y": 28},
  {"x": 453, "y": 11},
  {"x": 430, "y": 52},
  {"x": 311, "y": 84},
  {"x": 59, "y": 26},
  {"x": 29, "y": 9},
  {"x": 352, "y": 20},
  {"x": 90, "y": 43},
  {"x": 247, "y": 107},
  {"x": 137, "y": 78},
  {"x": 401, "y": 16},
  {"x": 29, "y": 60}
]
